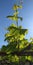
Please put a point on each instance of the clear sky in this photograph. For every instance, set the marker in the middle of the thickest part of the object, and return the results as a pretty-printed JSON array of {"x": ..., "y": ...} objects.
[{"x": 26, "y": 13}]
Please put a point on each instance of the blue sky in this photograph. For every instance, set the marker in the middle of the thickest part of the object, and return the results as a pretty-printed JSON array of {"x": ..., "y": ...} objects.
[{"x": 26, "y": 13}]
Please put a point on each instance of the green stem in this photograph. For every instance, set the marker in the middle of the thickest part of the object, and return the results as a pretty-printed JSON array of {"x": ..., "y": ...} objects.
[
  {"x": 17, "y": 26},
  {"x": 17, "y": 23}
]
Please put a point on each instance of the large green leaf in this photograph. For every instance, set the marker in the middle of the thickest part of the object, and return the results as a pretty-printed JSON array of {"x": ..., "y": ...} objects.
[
  {"x": 15, "y": 33},
  {"x": 14, "y": 18},
  {"x": 22, "y": 31}
]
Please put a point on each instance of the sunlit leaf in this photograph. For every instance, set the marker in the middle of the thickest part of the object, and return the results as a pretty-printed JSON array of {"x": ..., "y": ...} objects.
[
  {"x": 12, "y": 18},
  {"x": 15, "y": 7},
  {"x": 16, "y": 13},
  {"x": 22, "y": 37},
  {"x": 20, "y": 6},
  {"x": 31, "y": 39},
  {"x": 28, "y": 57}
]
